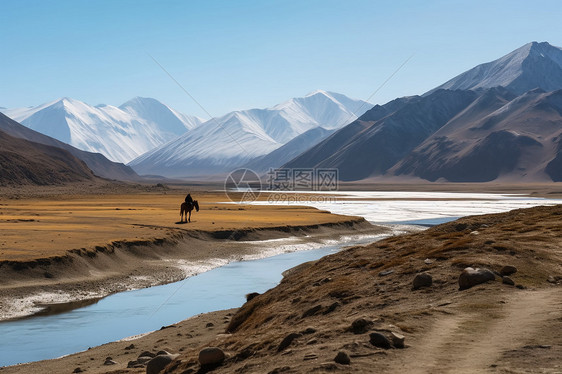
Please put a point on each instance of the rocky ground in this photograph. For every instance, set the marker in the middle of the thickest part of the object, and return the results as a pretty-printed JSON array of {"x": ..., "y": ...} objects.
[{"x": 394, "y": 306}]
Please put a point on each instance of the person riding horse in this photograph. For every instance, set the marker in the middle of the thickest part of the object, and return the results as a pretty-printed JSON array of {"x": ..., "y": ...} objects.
[{"x": 187, "y": 207}]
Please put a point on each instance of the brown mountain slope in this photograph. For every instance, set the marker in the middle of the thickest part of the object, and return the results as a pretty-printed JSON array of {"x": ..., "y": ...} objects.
[
  {"x": 25, "y": 162},
  {"x": 497, "y": 136},
  {"x": 490, "y": 327},
  {"x": 99, "y": 164}
]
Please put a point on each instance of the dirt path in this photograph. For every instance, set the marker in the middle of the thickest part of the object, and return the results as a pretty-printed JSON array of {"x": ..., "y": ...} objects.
[{"x": 474, "y": 338}]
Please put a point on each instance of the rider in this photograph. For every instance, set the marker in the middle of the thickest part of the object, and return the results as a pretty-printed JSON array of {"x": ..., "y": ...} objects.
[{"x": 189, "y": 199}]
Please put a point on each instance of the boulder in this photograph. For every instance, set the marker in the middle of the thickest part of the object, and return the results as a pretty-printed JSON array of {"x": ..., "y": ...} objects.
[
  {"x": 158, "y": 363},
  {"x": 211, "y": 356},
  {"x": 422, "y": 280},
  {"x": 361, "y": 325},
  {"x": 508, "y": 270},
  {"x": 342, "y": 358},
  {"x": 379, "y": 340},
  {"x": 508, "y": 280},
  {"x": 471, "y": 277},
  {"x": 397, "y": 340}
]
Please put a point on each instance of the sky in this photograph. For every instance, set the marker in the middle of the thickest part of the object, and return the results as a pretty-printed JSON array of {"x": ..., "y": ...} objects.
[{"x": 233, "y": 55}]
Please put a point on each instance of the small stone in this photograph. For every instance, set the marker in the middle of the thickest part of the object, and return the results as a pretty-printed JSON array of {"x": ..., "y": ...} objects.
[
  {"x": 471, "y": 277},
  {"x": 331, "y": 308},
  {"x": 129, "y": 347},
  {"x": 287, "y": 341},
  {"x": 386, "y": 272},
  {"x": 78, "y": 370},
  {"x": 310, "y": 356},
  {"x": 361, "y": 325},
  {"x": 132, "y": 364},
  {"x": 163, "y": 353},
  {"x": 308, "y": 330},
  {"x": 508, "y": 270},
  {"x": 422, "y": 280},
  {"x": 342, "y": 358},
  {"x": 110, "y": 362},
  {"x": 379, "y": 340},
  {"x": 211, "y": 356},
  {"x": 312, "y": 311},
  {"x": 144, "y": 359},
  {"x": 158, "y": 363},
  {"x": 508, "y": 280},
  {"x": 147, "y": 354},
  {"x": 428, "y": 261},
  {"x": 397, "y": 339},
  {"x": 210, "y": 324},
  {"x": 551, "y": 279},
  {"x": 312, "y": 341}
]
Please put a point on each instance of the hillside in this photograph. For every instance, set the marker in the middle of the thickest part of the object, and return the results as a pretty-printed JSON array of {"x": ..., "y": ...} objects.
[
  {"x": 24, "y": 162},
  {"x": 337, "y": 303},
  {"x": 97, "y": 162}
]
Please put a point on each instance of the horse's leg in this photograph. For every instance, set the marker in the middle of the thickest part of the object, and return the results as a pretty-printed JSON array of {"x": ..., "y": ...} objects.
[{"x": 189, "y": 219}]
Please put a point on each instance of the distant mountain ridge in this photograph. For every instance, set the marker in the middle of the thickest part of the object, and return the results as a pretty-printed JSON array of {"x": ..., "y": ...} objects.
[
  {"x": 500, "y": 120},
  {"x": 221, "y": 144},
  {"x": 120, "y": 133}
]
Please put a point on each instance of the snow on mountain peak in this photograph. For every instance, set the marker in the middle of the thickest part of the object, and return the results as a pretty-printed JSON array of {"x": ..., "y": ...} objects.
[
  {"x": 121, "y": 134},
  {"x": 530, "y": 66}
]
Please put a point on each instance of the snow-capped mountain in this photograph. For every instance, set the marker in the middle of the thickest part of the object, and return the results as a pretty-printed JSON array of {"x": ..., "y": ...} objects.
[
  {"x": 223, "y": 143},
  {"x": 534, "y": 65},
  {"x": 121, "y": 134}
]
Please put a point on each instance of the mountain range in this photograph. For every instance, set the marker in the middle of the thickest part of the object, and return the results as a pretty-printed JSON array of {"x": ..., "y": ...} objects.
[
  {"x": 225, "y": 143},
  {"x": 120, "y": 133},
  {"x": 499, "y": 120}
]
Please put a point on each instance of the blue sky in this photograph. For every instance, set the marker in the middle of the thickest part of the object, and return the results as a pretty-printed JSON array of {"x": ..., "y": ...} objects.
[{"x": 245, "y": 54}]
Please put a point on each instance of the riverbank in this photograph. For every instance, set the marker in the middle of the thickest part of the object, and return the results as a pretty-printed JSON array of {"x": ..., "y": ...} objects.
[
  {"x": 61, "y": 252},
  {"x": 335, "y": 305}
]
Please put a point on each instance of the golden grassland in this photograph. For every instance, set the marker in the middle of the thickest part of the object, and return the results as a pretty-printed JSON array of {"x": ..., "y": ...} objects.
[{"x": 43, "y": 227}]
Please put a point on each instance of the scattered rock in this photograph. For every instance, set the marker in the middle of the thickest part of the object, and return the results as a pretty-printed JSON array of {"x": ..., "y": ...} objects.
[
  {"x": 252, "y": 295},
  {"x": 331, "y": 308},
  {"x": 386, "y": 272},
  {"x": 147, "y": 354},
  {"x": 210, "y": 324},
  {"x": 308, "y": 330},
  {"x": 310, "y": 356},
  {"x": 163, "y": 353},
  {"x": 553, "y": 279},
  {"x": 521, "y": 287},
  {"x": 379, "y": 340},
  {"x": 282, "y": 369},
  {"x": 508, "y": 270},
  {"x": 397, "y": 340},
  {"x": 312, "y": 341},
  {"x": 134, "y": 364},
  {"x": 144, "y": 359},
  {"x": 158, "y": 363},
  {"x": 109, "y": 361},
  {"x": 508, "y": 280},
  {"x": 422, "y": 280},
  {"x": 287, "y": 341},
  {"x": 312, "y": 311},
  {"x": 78, "y": 370},
  {"x": 211, "y": 356},
  {"x": 361, "y": 325},
  {"x": 471, "y": 277},
  {"x": 129, "y": 347},
  {"x": 428, "y": 261},
  {"x": 342, "y": 358}
]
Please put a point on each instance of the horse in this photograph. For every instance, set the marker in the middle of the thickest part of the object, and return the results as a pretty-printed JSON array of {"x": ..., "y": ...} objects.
[{"x": 187, "y": 208}]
